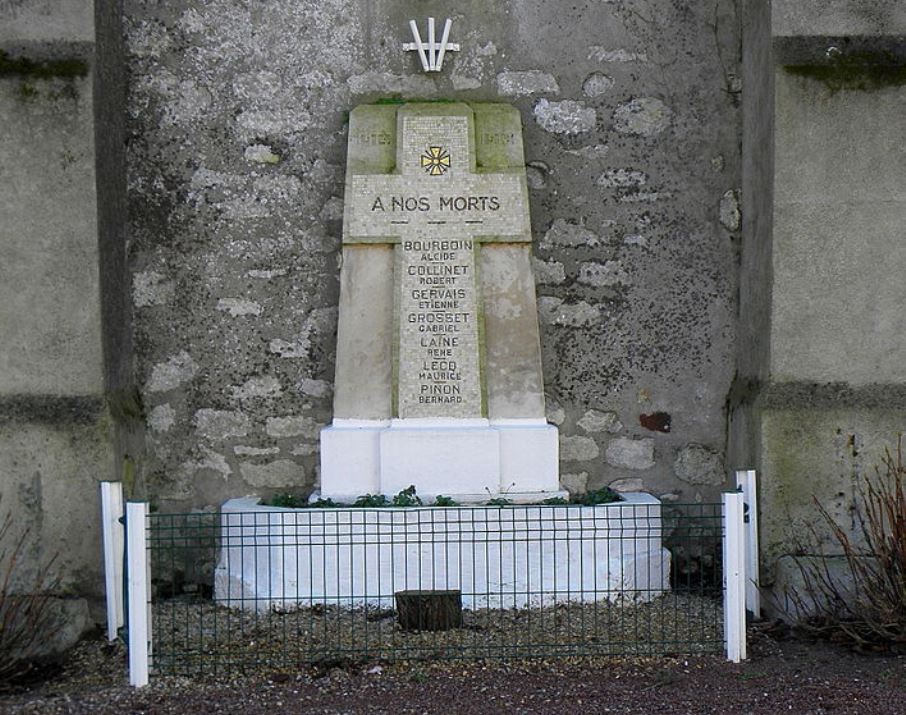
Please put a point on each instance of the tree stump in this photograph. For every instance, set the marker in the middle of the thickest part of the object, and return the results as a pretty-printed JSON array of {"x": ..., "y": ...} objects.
[{"x": 429, "y": 610}]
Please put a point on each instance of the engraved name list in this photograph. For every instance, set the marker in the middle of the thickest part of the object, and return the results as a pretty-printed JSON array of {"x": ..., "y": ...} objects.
[{"x": 437, "y": 210}]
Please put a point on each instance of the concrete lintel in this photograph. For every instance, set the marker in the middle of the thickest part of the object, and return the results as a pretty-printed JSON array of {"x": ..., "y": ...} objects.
[{"x": 815, "y": 395}]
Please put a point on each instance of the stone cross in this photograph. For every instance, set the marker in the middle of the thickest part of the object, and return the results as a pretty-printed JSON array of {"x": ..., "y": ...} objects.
[
  {"x": 437, "y": 207},
  {"x": 438, "y": 376}
]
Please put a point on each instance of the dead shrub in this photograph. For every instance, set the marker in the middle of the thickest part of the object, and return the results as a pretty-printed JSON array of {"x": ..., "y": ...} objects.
[
  {"x": 26, "y": 619},
  {"x": 862, "y": 604}
]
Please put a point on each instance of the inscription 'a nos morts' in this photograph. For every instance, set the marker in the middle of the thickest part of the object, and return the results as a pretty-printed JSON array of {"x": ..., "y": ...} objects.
[{"x": 437, "y": 210}]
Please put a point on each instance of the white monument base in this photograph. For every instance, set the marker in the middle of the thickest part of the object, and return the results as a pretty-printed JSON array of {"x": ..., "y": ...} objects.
[
  {"x": 498, "y": 557},
  {"x": 470, "y": 460}
]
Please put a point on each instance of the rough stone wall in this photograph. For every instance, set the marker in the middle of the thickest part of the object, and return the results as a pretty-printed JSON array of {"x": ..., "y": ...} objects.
[{"x": 236, "y": 146}]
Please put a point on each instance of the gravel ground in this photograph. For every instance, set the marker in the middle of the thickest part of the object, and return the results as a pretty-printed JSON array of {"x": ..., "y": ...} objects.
[
  {"x": 781, "y": 676},
  {"x": 196, "y": 637}
]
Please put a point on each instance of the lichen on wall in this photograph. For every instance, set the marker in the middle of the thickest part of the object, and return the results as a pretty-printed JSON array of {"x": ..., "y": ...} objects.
[{"x": 854, "y": 71}]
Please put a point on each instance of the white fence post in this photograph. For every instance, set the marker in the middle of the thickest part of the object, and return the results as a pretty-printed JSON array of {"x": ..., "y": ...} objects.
[
  {"x": 734, "y": 577},
  {"x": 745, "y": 481},
  {"x": 139, "y": 602},
  {"x": 114, "y": 544}
]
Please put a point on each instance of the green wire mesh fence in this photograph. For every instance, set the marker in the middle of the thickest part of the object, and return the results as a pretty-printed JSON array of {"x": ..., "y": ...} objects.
[{"x": 278, "y": 588}]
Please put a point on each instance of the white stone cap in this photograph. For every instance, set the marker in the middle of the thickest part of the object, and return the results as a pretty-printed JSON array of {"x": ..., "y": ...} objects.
[
  {"x": 352, "y": 423},
  {"x": 438, "y": 422},
  {"x": 519, "y": 422}
]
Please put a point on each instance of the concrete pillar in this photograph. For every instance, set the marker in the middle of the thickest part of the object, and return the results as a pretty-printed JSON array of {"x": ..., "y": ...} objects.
[
  {"x": 821, "y": 385},
  {"x": 64, "y": 352}
]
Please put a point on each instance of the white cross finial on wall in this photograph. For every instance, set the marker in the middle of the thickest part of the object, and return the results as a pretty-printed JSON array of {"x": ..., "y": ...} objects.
[{"x": 431, "y": 53}]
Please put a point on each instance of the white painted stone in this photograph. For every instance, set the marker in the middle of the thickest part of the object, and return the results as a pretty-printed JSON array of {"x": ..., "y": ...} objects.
[
  {"x": 630, "y": 453},
  {"x": 171, "y": 374},
  {"x": 597, "y": 421},
  {"x": 529, "y": 457},
  {"x": 599, "y": 275},
  {"x": 555, "y": 311},
  {"x": 597, "y": 84},
  {"x": 548, "y": 272},
  {"x": 645, "y": 116},
  {"x": 258, "y": 387},
  {"x": 566, "y": 234},
  {"x": 151, "y": 288},
  {"x": 351, "y": 458},
  {"x": 611, "y": 552},
  {"x": 279, "y": 473},
  {"x": 451, "y": 460},
  {"x": 627, "y": 484},
  {"x": 730, "y": 216},
  {"x": 219, "y": 424},
  {"x": 293, "y": 426},
  {"x": 578, "y": 449},
  {"x": 161, "y": 418},
  {"x": 566, "y": 117},
  {"x": 469, "y": 463},
  {"x": 521, "y": 84},
  {"x": 697, "y": 464}
]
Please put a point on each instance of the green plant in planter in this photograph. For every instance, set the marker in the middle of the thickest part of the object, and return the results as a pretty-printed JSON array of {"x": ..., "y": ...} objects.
[
  {"x": 407, "y": 497},
  {"x": 287, "y": 501},
  {"x": 606, "y": 495},
  {"x": 324, "y": 504},
  {"x": 371, "y": 501}
]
